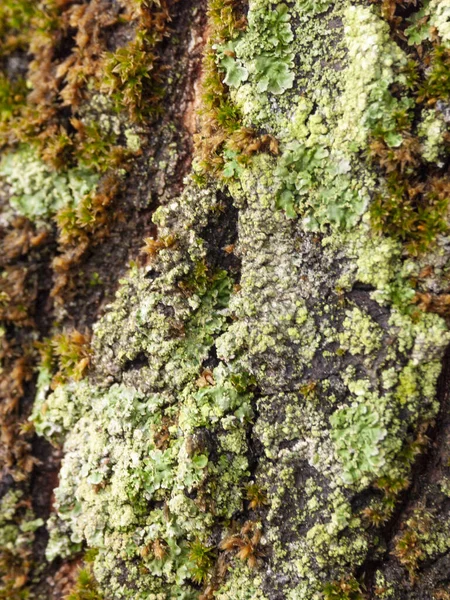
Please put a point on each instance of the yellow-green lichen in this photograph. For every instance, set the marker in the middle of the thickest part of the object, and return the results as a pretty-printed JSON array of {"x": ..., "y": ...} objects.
[
  {"x": 360, "y": 335},
  {"x": 366, "y": 101}
]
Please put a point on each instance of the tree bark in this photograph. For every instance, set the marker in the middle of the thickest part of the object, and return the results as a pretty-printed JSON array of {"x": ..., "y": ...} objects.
[{"x": 225, "y": 299}]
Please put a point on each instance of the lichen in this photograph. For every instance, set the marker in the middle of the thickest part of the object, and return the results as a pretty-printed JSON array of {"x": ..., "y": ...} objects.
[
  {"x": 366, "y": 100},
  {"x": 361, "y": 335},
  {"x": 434, "y": 14},
  {"x": 264, "y": 51},
  {"x": 38, "y": 192},
  {"x": 432, "y": 130},
  {"x": 440, "y": 18},
  {"x": 242, "y": 584},
  {"x": 358, "y": 433}
]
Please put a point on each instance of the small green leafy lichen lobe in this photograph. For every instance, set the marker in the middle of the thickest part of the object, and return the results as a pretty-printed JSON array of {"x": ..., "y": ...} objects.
[{"x": 318, "y": 362}]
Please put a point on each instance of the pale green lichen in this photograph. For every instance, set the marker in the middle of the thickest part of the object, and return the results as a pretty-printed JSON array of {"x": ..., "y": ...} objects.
[
  {"x": 314, "y": 172},
  {"x": 366, "y": 101},
  {"x": 257, "y": 330},
  {"x": 37, "y": 191},
  {"x": 318, "y": 186},
  {"x": 263, "y": 54},
  {"x": 115, "y": 467},
  {"x": 312, "y": 7},
  {"x": 384, "y": 589},
  {"x": 133, "y": 140},
  {"x": 375, "y": 261},
  {"x": 242, "y": 584},
  {"x": 140, "y": 443},
  {"x": 444, "y": 485},
  {"x": 432, "y": 130},
  {"x": 358, "y": 433}
]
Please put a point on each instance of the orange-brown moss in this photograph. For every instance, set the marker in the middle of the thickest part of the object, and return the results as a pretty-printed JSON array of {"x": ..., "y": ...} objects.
[
  {"x": 80, "y": 228},
  {"x": 17, "y": 364},
  {"x": 408, "y": 547},
  {"x": 244, "y": 544},
  {"x": 71, "y": 60}
]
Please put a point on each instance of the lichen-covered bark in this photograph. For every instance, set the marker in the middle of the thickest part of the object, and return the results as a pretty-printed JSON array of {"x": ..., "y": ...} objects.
[{"x": 261, "y": 411}]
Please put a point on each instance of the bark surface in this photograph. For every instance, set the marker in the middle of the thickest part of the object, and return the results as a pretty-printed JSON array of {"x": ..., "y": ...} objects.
[{"x": 225, "y": 299}]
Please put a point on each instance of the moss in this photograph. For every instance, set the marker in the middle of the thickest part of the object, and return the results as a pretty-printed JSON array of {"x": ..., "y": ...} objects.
[
  {"x": 200, "y": 555},
  {"x": 436, "y": 85},
  {"x": 56, "y": 82},
  {"x": 12, "y": 97},
  {"x": 345, "y": 589},
  {"x": 66, "y": 353},
  {"x": 15, "y": 18},
  {"x": 96, "y": 145},
  {"x": 127, "y": 72},
  {"x": 219, "y": 117},
  {"x": 410, "y": 205},
  {"x": 422, "y": 537},
  {"x": 85, "y": 587}
]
